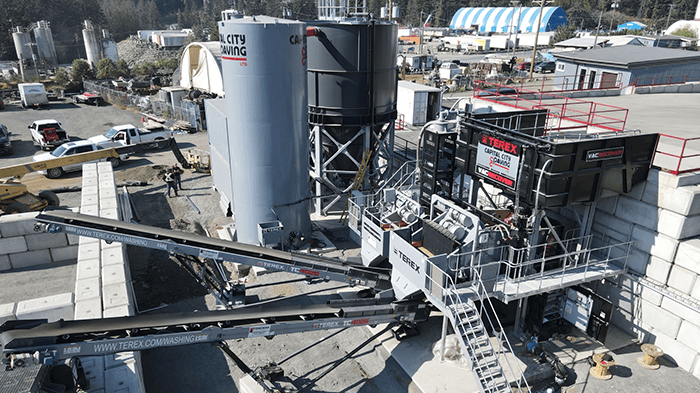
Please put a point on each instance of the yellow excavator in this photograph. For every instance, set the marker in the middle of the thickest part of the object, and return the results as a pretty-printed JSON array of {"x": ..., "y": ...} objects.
[{"x": 14, "y": 196}]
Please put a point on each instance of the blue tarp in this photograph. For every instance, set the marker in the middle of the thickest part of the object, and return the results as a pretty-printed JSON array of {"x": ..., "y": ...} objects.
[{"x": 631, "y": 26}]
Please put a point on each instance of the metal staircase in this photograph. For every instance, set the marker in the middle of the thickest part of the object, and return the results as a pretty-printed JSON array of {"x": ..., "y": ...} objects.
[{"x": 489, "y": 356}]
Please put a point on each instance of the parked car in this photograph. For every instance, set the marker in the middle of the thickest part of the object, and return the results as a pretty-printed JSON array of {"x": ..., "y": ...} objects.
[
  {"x": 545, "y": 66},
  {"x": 88, "y": 98},
  {"x": 73, "y": 148},
  {"x": 523, "y": 66},
  {"x": 5, "y": 143}
]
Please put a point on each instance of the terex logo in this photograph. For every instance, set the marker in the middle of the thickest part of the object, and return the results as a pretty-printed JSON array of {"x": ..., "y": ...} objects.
[
  {"x": 499, "y": 144},
  {"x": 407, "y": 260}
]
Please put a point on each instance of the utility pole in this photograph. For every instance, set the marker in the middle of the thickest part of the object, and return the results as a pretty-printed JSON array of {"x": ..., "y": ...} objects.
[
  {"x": 517, "y": 27},
  {"x": 537, "y": 35},
  {"x": 668, "y": 18},
  {"x": 614, "y": 5},
  {"x": 597, "y": 30}
]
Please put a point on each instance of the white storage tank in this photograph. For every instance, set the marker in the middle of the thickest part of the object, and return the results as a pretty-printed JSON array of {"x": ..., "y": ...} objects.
[
  {"x": 23, "y": 43},
  {"x": 418, "y": 103},
  {"x": 264, "y": 63},
  {"x": 44, "y": 42},
  {"x": 91, "y": 47}
]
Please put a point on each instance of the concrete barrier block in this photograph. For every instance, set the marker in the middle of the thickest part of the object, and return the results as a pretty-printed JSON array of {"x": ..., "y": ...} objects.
[
  {"x": 676, "y": 308},
  {"x": 637, "y": 259},
  {"x": 671, "y": 89},
  {"x": 696, "y": 87},
  {"x": 17, "y": 224},
  {"x": 660, "y": 319},
  {"x": 94, "y": 367},
  {"x": 88, "y": 240},
  {"x": 119, "y": 359},
  {"x": 682, "y": 279},
  {"x": 123, "y": 379},
  {"x": 674, "y": 350},
  {"x": 5, "y": 263},
  {"x": 596, "y": 93},
  {"x": 613, "y": 92},
  {"x": 42, "y": 241},
  {"x": 115, "y": 295},
  {"x": 103, "y": 166},
  {"x": 88, "y": 268},
  {"x": 688, "y": 335},
  {"x": 607, "y": 204},
  {"x": 108, "y": 203},
  {"x": 120, "y": 311},
  {"x": 112, "y": 256},
  {"x": 658, "y": 269},
  {"x": 682, "y": 200},
  {"x": 90, "y": 190},
  {"x": 12, "y": 245},
  {"x": 109, "y": 213},
  {"x": 90, "y": 210},
  {"x": 613, "y": 222},
  {"x": 7, "y": 312},
  {"x": 695, "y": 294},
  {"x": 52, "y": 308},
  {"x": 88, "y": 309},
  {"x": 89, "y": 250},
  {"x": 688, "y": 255},
  {"x": 639, "y": 212},
  {"x": 685, "y": 88},
  {"x": 113, "y": 274},
  {"x": 657, "y": 89},
  {"x": 641, "y": 90},
  {"x": 654, "y": 243},
  {"x": 30, "y": 258},
  {"x": 64, "y": 253},
  {"x": 72, "y": 239},
  {"x": 89, "y": 199},
  {"x": 88, "y": 288},
  {"x": 89, "y": 181},
  {"x": 579, "y": 94}
]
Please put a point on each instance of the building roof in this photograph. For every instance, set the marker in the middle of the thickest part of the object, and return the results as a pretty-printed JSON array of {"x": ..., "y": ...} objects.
[
  {"x": 503, "y": 19},
  {"x": 580, "y": 42},
  {"x": 630, "y": 56}
]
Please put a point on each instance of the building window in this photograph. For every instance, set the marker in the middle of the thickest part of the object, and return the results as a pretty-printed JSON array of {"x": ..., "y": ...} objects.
[{"x": 560, "y": 66}]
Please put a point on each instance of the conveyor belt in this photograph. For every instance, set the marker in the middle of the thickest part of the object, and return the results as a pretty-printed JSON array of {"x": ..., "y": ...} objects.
[
  {"x": 206, "y": 247},
  {"x": 65, "y": 339}
]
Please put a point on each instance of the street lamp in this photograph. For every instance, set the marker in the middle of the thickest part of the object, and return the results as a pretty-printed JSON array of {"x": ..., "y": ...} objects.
[
  {"x": 614, "y": 5},
  {"x": 668, "y": 18}
]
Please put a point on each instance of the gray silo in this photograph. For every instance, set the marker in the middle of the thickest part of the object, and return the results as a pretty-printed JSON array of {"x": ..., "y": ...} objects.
[
  {"x": 352, "y": 102},
  {"x": 44, "y": 42},
  {"x": 264, "y": 72},
  {"x": 91, "y": 46},
  {"x": 23, "y": 42}
]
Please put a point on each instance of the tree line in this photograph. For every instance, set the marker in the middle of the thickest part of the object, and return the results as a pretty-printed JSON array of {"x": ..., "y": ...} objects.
[{"x": 124, "y": 17}]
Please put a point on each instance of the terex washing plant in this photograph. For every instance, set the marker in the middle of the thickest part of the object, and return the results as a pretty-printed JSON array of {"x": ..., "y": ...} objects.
[{"x": 496, "y": 213}]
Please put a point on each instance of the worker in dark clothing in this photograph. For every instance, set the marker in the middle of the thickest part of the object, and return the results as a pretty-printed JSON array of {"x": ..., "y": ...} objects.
[
  {"x": 177, "y": 175},
  {"x": 169, "y": 179}
]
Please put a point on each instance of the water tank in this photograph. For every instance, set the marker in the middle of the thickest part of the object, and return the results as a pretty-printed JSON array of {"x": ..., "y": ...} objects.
[
  {"x": 44, "y": 42},
  {"x": 91, "y": 47},
  {"x": 264, "y": 71},
  {"x": 23, "y": 43},
  {"x": 352, "y": 81}
]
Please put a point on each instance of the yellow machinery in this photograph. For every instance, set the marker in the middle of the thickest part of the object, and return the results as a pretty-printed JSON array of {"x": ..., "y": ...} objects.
[{"x": 14, "y": 196}]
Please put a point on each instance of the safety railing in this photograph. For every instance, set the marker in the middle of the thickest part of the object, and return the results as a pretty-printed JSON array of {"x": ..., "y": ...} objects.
[
  {"x": 441, "y": 290},
  {"x": 678, "y": 155},
  {"x": 580, "y": 113},
  {"x": 565, "y": 83},
  {"x": 513, "y": 272},
  {"x": 660, "y": 80},
  {"x": 405, "y": 148},
  {"x": 400, "y": 122}
]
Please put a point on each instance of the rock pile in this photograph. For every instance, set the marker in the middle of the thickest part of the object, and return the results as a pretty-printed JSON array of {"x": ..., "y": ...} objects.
[{"x": 136, "y": 51}]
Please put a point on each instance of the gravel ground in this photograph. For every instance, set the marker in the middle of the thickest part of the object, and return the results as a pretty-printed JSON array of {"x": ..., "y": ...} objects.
[{"x": 159, "y": 283}]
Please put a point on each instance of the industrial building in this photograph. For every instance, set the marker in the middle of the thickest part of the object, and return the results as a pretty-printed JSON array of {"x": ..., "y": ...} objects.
[
  {"x": 508, "y": 19},
  {"x": 622, "y": 65}
]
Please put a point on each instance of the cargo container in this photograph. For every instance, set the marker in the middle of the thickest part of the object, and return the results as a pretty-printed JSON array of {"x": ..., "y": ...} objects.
[{"x": 418, "y": 103}]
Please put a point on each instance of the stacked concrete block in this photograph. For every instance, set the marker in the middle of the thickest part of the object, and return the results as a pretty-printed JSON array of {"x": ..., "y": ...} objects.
[
  {"x": 21, "y": 246},
  {"x": 662, "y": 217},
  {"x": 53, "y": 308},
  {"x": 103, "y": 287}
]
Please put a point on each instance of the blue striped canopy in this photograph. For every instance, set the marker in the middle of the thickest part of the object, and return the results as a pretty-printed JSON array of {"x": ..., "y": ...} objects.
[{"x": 503, "y": 19}]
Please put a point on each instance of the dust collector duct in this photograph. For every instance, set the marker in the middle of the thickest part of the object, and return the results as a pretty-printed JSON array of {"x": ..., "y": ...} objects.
[{"x": 264, "y": 72}]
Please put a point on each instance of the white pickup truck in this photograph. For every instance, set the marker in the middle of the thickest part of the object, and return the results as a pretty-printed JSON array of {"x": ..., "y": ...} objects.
[
  {"x": 73, "y": 148},
  {"x": 48, "y": 133},
  {"x": 129, "y": 134}
]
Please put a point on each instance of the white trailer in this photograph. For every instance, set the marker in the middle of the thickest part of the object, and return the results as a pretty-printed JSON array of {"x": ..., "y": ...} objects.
[
  {"x": 418, "y": 103},
  {"x": 33, "y": 94}
]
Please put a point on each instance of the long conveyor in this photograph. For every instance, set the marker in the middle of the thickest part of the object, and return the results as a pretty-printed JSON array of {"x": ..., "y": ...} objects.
[{"x": 206, "y": 247}]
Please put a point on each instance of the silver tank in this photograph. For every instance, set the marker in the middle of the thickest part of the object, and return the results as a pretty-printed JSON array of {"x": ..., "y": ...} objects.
[
  {"x": 91, "y": 46},
  {"x": 264, "y": 71},
  {"x": 44, "y": 42},
  {"x": 22, "y": 42}
]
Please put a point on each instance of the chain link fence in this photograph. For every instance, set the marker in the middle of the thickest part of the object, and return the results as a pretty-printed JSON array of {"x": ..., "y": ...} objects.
[{"x": 148, "y": 104}]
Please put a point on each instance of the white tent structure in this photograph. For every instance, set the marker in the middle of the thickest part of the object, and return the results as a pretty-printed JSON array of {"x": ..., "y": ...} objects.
[{"x": 200, "y": 67}]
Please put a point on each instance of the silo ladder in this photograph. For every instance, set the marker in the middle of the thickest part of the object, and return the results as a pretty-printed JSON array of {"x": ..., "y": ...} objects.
[{"x": 356, "y": 182}]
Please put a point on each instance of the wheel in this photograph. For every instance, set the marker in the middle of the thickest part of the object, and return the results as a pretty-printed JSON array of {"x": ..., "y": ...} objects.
[
  {"x": 16, "y": 207},
  {"x": 114, "y": 161},
  {"x": 54, "y": 173},
  {"x": 50, "y": 197}
]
